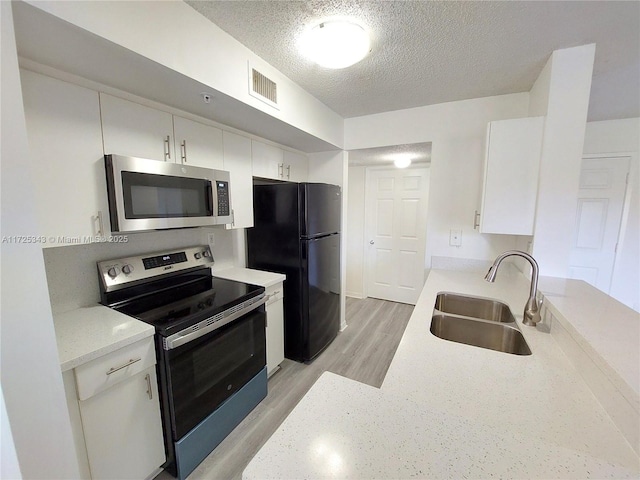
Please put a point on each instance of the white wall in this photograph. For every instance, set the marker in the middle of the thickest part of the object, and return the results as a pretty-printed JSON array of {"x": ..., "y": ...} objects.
[
  {"x": 31, "y": 377},
  {"x": 564, "y": 84},
  {"x": 457, "y": 131},
  {"x": 623, "y": 137},
  {"x": 164, "y": 31},
  {"x": 355, "y": 242},
  {"x": 9, "y": 466},
  {"x": 332, "y": 167}
]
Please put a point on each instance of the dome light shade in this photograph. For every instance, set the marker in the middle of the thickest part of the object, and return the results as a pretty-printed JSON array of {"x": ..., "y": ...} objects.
[
  {"x": 402, "y": 161},
  {"x": 335, "y": 43}
]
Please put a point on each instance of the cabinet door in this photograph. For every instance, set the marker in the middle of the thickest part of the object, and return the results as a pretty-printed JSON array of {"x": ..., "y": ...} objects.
[
  {"x": 266, "y": 160},
  {"x": 296, "y": 167},
  {"x": 237, "y": 160},
  {"x": 123, "y": 429},
  {"x": 275, "y": 328},
  {"x": 63, "y": 126},
  {"x": 134, "y": 130},
  {"x": 511, "y": 176},
  {"x": 197, "y": 144}
]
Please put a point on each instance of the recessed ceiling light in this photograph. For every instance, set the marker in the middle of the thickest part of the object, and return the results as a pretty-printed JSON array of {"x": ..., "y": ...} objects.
[{"x": 335, "y": 43}]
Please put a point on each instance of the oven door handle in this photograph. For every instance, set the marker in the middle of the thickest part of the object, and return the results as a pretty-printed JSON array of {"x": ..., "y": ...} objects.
[{"x": 189, "y": 334}]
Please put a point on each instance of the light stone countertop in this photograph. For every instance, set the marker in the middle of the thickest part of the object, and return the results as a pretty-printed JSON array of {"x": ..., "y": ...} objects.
[
  {"x": 88, "y": 333},
  {"x": 348, "y": 430},
  {"x": 606, "y": 328},
  {"x": 447, "y": 410},
  {"x": 248, "y": 275}
]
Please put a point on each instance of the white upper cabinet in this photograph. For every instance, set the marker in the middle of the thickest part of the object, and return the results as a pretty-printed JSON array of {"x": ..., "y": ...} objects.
[
  {"x": 267, "y": 160},
  {"x": 296, "y": 167},
  {"x": 65, "y": 142},
  {"x": 511, "y": 171},
  {"x": 135, "y": 130},
  {"x": 237, "y": 160},
  {"x": 197, "y": 144},
  {"x": 272, "y": 162}
]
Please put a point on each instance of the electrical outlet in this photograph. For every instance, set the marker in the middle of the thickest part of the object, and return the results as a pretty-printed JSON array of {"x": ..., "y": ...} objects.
[
  {"x": 455, "y": 238},
  {"x": 211, "y": 238}
]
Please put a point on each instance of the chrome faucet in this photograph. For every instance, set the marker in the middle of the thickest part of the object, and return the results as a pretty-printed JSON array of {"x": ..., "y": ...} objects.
[{"x": 532, "y": 307}]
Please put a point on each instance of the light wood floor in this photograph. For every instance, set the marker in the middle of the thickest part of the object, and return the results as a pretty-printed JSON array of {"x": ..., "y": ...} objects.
[{"x": 362, "y": 352}]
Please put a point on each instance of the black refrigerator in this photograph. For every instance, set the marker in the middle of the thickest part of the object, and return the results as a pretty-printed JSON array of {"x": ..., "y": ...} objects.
[{"x": 297, "y": 232}]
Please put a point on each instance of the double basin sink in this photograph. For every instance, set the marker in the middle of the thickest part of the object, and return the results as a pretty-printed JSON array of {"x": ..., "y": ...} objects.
[{"x": 477, "y": 321}]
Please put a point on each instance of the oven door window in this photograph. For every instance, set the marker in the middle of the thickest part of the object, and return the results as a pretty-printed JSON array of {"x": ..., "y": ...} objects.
[
  {"x": 205, "y": 372},
  {"x": 165, "y": 196}
]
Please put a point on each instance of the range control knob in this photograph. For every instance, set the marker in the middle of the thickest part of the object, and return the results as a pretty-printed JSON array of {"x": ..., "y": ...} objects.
[
  {"x": 127, "y": 269},
  {"x": 113, "y": 272},
  {"x": 197, "y": 255},
  {"x": 206, "y": 253}
]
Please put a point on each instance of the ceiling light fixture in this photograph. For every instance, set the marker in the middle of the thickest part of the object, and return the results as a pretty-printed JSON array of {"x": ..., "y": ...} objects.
[
  {"x": 335, "y": 43},
  {"x": 402, "y": 161}
]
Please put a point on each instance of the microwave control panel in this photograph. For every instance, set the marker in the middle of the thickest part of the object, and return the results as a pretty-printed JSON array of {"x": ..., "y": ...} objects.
[{"x": 222, "y": 189}]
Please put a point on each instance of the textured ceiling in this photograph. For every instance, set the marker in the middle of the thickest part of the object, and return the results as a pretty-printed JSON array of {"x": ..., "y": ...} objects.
[{"x": 427, "y": 52}]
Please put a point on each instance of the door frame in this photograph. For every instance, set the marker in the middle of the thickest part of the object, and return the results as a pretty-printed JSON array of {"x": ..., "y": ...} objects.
[
  {"x": 367, "y": 218},
  {"x": 626, "y": 203}
]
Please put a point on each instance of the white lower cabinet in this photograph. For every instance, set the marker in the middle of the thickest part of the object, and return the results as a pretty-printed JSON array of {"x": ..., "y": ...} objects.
[
  {"x": 120, "y": 413},
  {"x": 275, "y": 327}
]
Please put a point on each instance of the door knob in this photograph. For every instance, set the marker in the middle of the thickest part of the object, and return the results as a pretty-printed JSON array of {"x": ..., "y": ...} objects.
[{"x": 371, "y": 242}]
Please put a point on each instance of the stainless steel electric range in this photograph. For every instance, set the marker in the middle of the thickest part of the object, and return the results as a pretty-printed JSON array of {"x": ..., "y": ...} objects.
[{"x": 210, "y": 344}]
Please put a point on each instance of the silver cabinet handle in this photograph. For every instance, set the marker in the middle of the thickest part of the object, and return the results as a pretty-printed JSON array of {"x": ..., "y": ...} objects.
[
  {"x": 130, "y": 362},
  {"x": 149, "y": 391},
  {"x": 167, "y": 149},
  {"x": 183, "y": 151},
  {"x": 281, "y": 170},
  {"x": 476, "y": 220},
  {"x": 288, "y": 172},
  {"x": 371, "y": 242}
]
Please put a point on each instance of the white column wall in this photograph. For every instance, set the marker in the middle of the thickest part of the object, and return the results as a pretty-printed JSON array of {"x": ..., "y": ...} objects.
[
  {"x": 31, "y": 377},
  {"x": 565, "y": 84},
  {"x": 355, "y": 259}
]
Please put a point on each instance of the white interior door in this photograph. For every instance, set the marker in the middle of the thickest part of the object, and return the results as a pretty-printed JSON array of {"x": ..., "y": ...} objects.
[
  {"x": 396, "y": 224},
  {"x": 603, "y": 183}
]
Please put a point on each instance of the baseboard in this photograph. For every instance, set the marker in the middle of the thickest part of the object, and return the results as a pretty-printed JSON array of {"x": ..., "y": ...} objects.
[{"x": 358, "y": 295}]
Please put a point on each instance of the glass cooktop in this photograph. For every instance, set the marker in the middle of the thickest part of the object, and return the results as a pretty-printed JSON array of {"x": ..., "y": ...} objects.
[{"x": 182, "y": 301}]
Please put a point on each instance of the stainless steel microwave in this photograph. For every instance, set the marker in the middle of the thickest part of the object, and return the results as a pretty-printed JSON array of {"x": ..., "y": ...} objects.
[{"x": 154, "y": 195}]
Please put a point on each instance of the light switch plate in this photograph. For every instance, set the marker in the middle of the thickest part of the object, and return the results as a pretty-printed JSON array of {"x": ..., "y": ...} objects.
[
  {"x": 455, "y": 237},
  {"x": 211, "y": 238}
]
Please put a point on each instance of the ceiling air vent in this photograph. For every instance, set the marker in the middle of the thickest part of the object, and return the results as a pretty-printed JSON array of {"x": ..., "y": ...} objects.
[{"x": 262, "y": 87}]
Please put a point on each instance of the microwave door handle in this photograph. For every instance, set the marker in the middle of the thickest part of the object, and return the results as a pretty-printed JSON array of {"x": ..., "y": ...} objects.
[{"x": 210, "y": 199}]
